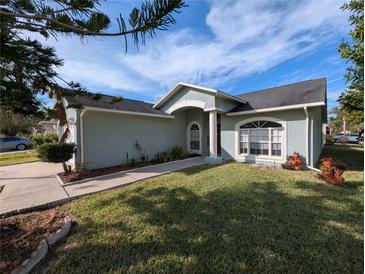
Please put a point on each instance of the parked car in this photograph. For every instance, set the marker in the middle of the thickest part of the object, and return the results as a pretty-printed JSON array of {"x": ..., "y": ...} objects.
[
  {"x": 347, "y": 138},
  {"x": 18, "y": 143}
]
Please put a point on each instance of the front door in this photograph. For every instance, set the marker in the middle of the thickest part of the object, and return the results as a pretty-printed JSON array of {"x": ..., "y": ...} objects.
[{"x": 194, "y": 138}]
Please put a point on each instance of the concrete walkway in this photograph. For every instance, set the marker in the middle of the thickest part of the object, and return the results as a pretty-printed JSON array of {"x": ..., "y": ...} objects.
[{"x": 35, "y": 184}]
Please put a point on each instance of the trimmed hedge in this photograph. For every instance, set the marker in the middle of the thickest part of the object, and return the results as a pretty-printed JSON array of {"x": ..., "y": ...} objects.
[{"x": 55, "y": 152}]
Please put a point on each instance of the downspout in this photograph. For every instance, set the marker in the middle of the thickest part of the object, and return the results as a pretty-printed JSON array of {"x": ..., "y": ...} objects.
[
  {"x": 309, "y": 164},
  {"x": 82, "y": 135}
]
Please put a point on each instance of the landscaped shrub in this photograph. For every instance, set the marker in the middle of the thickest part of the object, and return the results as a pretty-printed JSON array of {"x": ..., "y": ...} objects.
[
  {"x": 176, "y": 153},
  {"x": 294, "y": 162},
  {"x": 81, "y": 167},
  {"x": 162, "y": 157},
  {"x": 332, "y": 171},
  {"x": 57, "y": 153},
  {"x": 46, "y": 138},
  {"x": 173, "y": 154}
]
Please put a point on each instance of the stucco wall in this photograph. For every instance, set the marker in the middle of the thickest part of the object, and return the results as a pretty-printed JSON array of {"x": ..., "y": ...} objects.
[
  {"x": 224, "y": 104},
  {"x": 317, "y": 138},
  {"x": 205, "y": 100},
  {"x": 109, "y": 137},
  {"x": 186, "y": 94},
  {"x": 295, "y": 123}
]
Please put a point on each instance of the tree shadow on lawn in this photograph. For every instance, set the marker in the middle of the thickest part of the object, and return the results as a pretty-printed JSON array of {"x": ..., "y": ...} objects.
[{"x": 250, "y": 228}]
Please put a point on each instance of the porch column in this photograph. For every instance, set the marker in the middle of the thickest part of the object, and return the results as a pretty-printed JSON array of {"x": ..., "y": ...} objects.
[{"x": 213, "y": 134}]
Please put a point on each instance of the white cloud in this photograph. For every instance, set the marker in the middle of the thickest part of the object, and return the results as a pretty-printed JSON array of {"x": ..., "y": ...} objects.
[
  {"x": 242, "y": 38},
  {"x": 100, "y": 75},
  {"x": 249, "y": 37}
]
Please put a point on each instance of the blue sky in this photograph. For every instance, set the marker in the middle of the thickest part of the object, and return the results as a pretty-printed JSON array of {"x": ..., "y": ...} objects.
[{"x": 235, "y": 46}]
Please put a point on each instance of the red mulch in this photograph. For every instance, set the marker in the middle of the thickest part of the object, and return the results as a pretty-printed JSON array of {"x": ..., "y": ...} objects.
[
  {"x": 20, "y": 235},
  {"x": 74, "y": 176}
]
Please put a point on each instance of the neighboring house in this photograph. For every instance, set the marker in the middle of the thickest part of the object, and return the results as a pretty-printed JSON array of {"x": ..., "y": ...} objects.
[
  {"x": 259, "y": 127},
  {"x": 45, "y": 127}
]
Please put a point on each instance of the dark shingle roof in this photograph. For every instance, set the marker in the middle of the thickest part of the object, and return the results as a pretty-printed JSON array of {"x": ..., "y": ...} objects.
[
  {"x": 293, "y": 94},
  {"x": 123, "y": 105}
]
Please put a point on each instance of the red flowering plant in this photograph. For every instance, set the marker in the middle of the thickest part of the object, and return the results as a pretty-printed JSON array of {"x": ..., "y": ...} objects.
[
  {"x": 294, "y": 162},
  {"x": 332, "y": 171}
]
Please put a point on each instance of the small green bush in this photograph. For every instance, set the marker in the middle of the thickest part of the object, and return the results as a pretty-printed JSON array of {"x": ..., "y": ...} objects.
[
  {"x": 176, "y": 153},
  {"x": 57, "y": 153},
  {"x": 162, "y": 157},
  {"x": 81, "y": 167},
  {"x": 46, "y": 138},
  {"x": 173, "y": 154}
]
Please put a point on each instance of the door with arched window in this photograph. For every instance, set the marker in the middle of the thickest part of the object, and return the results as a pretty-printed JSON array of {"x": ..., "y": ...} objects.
[{"x": 194, "y": 138}]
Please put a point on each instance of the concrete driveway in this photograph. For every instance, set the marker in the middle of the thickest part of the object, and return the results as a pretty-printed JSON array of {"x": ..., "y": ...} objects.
[
  {"x": 35, "y": 184},
  {"x": 28, "y": 185}
]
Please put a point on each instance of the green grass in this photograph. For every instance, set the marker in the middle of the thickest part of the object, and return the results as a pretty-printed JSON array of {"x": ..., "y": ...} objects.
[
  {"x": 231, "y": 218},
  {"x": 18, "y": 158},
  {"x": 351, "y": 154}
]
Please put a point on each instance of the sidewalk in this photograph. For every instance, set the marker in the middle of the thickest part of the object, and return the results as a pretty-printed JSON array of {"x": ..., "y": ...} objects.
[{"x": 35, "y": 184}]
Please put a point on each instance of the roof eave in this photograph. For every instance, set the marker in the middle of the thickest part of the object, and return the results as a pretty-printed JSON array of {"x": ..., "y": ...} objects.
[
  {"x": 168, "y": 116},
  {"x": 277, "y": 108}
]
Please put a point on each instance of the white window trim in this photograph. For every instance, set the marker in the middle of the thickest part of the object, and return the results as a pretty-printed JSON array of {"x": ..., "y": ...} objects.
[
  {"x": 245, "y": 157},
  {"x": 188, "y": 138}
]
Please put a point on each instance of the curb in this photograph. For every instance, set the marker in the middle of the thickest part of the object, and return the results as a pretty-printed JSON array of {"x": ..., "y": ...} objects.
[
  {"x": 61, "y": 233},
  {"x": 42, "y": 249}
]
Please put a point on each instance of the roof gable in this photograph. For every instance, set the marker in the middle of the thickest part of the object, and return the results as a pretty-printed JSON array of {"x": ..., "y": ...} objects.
[{"x": 180, "y": 85}]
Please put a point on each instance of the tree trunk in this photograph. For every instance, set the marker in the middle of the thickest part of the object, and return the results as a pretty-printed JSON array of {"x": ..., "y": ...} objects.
[{"x": 65, "y": 168}]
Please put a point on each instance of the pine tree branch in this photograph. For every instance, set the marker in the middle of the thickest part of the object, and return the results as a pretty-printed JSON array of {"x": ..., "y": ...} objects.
[{"x": 150, "y": 26}]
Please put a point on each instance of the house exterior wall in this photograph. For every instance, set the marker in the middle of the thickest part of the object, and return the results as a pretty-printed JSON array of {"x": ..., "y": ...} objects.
[
  {"x": 316, "y": 114},
  {"x": 109, "y": 137},
  {"x": 295, "y": 132},
  {"x": 224, "y": 104}
]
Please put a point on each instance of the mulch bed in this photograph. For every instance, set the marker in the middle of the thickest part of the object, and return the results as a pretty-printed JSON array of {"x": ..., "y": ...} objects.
[
  {"x": 74, "y": 176},
  {"x": 20, "y": 235}
]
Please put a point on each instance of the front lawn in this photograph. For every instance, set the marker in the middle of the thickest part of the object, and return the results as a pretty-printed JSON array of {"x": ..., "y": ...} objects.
[
  {"x": 7, "y": 159},
  {"x": 222, "y": 219},
  {"x": 352, "y": 155}
]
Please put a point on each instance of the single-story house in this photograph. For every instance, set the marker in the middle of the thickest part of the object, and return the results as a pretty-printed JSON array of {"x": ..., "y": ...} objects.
[
  {"x": 45, "y": 127},
  {"x": 259, "y": 127}
]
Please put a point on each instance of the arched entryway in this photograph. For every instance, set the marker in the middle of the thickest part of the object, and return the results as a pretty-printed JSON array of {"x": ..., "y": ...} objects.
[{"x": 194, "y": 138}]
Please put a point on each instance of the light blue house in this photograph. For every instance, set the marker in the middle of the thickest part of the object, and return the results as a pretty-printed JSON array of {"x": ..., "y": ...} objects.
[{"x": 260, "y": 127}]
